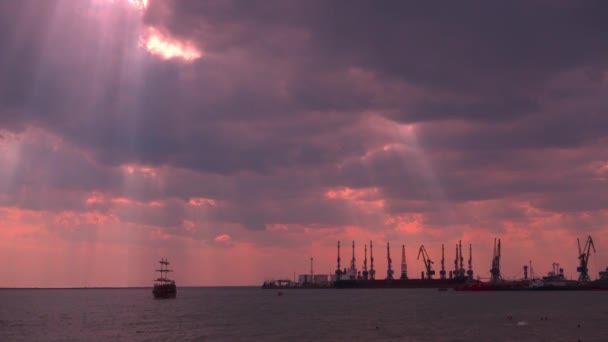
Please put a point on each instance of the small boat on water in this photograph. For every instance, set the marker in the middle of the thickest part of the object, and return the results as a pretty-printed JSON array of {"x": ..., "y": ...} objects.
[{"x": 163, "y": 286}]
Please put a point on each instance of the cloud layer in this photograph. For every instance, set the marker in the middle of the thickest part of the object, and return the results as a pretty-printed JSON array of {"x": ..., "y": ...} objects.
[{"x": 223, "y": 134}]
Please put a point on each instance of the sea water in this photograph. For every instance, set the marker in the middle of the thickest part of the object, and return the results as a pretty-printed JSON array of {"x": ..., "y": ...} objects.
[{"x": 252, "y": 314}]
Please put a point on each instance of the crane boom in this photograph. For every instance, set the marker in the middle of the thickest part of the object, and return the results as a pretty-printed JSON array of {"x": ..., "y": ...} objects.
[
  {"x": 389, "y": 269},
  {"x": 427, "y": 262},
  {"x": 583, "y": 257},
  {"x": 495, "y": 271}
]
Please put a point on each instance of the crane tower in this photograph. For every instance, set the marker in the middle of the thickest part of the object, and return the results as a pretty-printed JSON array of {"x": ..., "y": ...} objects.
[
  {"x": 403, "y": 264},
  {"x": 389, "y": 269},
  {"x": 442, "y": 272},
  {"x": 427, "y": 262},
  {"x": 353, "y": 266},
  {"x": 470, "y": 270},
  {"x": 583, "y": 256},
  {"x": 339, "y": 268},
  {"x": 461, "y": 259},
  {"x": 372, "y": 272},
  {"x": 495, "y": 271},
  {"x": 365, "y": 272}
]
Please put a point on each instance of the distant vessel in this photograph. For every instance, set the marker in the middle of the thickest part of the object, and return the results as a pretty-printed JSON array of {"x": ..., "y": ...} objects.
[{"x": 163, "y": 286}]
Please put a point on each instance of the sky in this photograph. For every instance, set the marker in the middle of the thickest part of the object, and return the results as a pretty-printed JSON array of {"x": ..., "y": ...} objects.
[{"x": 239, "y": 139}]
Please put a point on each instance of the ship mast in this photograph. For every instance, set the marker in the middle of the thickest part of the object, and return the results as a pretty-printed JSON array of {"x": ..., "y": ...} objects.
[
  {"x": 403, "y": 264},
  {"x": 389, "y": 269},
  {"x": 372, "y": 272},
  {"x": 164, "y": 269}
]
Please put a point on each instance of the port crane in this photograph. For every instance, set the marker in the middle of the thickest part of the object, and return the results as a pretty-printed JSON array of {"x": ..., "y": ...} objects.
[
  {"x": 583, "y": 256},
  {"x": 427, "y": 262},
  {"x": 353, "y": 265},
  {"x": 461, "y": 259},
  {"x": 456, "y": 264},
  {"x": 459, "y": 267},
  {"x": 365, "y": 272},
  {"x": 442, "y": 272},
  {"x": 339, "y": 268},
  {"x": 495, "y": 271},
  {"x": 470, "y": 270},
  {"x": 372, "y": 271},
  {"x": 403, "y": 264},
  {"x": 389, "y": 269}
]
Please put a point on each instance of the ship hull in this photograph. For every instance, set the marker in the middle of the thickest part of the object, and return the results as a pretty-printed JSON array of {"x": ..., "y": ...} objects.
[
  {"x": 295, "y": 287},
  {"x": 398, "y": 284},
  {"x": 526, "y": 286},
  {"x": 164, "y": 291}
]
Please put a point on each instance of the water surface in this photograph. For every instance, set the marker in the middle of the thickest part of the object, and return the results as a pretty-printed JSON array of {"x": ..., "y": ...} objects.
[{"x": 252, "y": 314}]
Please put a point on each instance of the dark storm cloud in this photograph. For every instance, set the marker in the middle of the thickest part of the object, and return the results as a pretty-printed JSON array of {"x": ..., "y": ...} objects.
[
  {"x": 437, "y": 43},
  {"x": 277, "y": 111}
]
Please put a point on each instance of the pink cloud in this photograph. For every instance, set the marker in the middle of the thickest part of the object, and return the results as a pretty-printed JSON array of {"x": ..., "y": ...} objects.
[{"x": 222, "y": 238}]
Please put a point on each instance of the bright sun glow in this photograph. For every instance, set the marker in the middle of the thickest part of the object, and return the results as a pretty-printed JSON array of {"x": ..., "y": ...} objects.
[
  {"x": 167, "y": 47},
  {"x": 139, "y": 4},
  {"x": 161, "y": 44}
]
